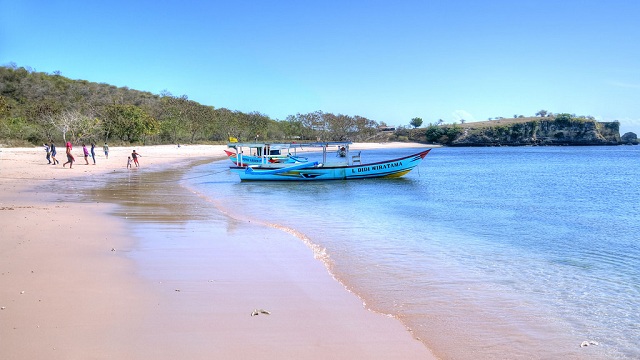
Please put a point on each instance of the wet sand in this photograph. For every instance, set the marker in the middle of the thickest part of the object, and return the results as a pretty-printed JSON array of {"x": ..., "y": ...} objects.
[{"x": 126, "y": 264}]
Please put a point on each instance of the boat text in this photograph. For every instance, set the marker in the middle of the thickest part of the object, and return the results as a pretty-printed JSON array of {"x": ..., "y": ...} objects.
[{"x": 376, "y": 167}]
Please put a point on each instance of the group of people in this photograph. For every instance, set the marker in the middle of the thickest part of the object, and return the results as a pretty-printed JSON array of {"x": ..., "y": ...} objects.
[
  {"x": 52, "y": 152},
  {"x": 134, "y": 156}
]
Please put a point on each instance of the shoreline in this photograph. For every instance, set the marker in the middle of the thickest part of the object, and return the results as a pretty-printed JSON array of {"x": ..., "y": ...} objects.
[{"x": 84, "y": 299}]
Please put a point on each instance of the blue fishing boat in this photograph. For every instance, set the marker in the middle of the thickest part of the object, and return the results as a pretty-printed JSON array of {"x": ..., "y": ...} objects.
[{"x": 348, "y": 167}]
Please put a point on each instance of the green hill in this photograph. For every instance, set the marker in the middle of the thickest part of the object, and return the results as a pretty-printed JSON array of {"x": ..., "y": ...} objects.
[{"x": 36, "y": 107}]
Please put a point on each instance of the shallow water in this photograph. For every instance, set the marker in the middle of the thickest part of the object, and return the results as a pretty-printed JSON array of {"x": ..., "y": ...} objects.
[{"x": 483, "y": 252}]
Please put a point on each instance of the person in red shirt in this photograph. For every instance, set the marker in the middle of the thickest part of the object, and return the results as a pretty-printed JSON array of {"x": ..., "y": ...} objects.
[
  {"x": 134, "y": 156},
  {"x": 70, "y": 158}
]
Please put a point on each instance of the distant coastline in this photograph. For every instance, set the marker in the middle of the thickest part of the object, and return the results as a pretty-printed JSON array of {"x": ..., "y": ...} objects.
[{"x": 561, "y": 130}]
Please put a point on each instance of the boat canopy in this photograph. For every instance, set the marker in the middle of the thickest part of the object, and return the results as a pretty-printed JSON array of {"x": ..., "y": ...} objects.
[{"x": 267, "y": 149}]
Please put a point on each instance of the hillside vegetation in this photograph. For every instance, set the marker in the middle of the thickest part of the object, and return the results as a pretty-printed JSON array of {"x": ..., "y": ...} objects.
[{"x": 37, "y": 107}]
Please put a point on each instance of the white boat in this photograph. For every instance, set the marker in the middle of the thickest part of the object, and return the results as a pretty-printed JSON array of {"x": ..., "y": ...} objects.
[{"x": 262, "y": 154}]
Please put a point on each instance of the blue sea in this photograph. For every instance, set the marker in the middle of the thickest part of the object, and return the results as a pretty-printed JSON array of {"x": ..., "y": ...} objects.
[{"x": 483, "y": 253}]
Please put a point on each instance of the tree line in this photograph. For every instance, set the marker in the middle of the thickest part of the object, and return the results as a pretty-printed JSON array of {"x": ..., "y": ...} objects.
[{"x": 37, "y": 107}]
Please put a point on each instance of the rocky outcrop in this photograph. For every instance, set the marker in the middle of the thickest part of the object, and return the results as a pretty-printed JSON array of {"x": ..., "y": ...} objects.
[
  {"x": 629, "y": 139},
  {"x": 542, "y": 132}
]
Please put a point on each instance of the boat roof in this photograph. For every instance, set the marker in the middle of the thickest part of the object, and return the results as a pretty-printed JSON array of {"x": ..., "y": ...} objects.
[{"x": 289, "y": 145}]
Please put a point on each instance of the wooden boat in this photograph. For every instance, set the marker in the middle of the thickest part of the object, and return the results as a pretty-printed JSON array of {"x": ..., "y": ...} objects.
[
  {"x": 343, "y": 169},
  {"x": 262, "y": 154}
]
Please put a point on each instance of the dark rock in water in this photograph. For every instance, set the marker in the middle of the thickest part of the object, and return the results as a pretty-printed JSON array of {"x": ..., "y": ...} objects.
[{"x": 629, "y": 138}]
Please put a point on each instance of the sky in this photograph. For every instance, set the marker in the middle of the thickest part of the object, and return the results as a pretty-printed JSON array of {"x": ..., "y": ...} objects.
[{"x": 387, "y": 61}]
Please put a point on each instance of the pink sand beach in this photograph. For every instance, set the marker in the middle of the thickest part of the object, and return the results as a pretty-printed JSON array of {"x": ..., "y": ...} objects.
[{"x": 70, "y": 290}]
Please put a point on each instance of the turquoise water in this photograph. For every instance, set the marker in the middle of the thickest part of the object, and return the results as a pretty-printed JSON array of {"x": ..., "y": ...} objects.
[{"x": 482, "y": 252}]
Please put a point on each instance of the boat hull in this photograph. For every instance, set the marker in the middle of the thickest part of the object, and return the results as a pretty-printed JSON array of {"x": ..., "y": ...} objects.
[{"x": 384, "y": 169}]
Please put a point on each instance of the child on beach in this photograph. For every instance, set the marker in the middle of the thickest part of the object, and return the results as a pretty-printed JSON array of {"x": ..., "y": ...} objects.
[
  {"x": 46, "y": 148},
  {"x": 135, "y": 155},
  {"x": 86, "y": 153},
  {"x": 93, "y": 153},
  {"x": 54, "y": 153},
  {"x": 70, "y": 158},
  {"x": 106, "y": 150},
  {"x": 129, "y": 162}
]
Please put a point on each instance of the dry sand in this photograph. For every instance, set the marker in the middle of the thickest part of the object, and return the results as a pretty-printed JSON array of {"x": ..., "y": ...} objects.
[{"x": 64, "y": 294}]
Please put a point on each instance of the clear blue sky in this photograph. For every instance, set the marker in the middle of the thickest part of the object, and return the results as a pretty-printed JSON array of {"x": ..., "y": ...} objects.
[{"x": 387, "y": 61}]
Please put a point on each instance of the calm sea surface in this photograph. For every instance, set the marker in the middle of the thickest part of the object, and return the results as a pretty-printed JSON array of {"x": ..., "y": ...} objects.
[{"x": 483, "y": 253}]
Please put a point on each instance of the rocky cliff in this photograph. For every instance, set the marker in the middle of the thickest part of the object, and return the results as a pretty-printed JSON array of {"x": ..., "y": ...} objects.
[{"x": 539, "y": 131}]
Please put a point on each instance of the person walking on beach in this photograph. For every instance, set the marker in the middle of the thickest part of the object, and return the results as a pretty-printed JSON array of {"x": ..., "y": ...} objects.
[
  {"x": 93, "y": 153},
  {"x": 46, "y": 148},
  {"x": 129, "y": 162},
  {"x": 53, "y": 153},
  {"x": 106, "y": 150},
  {"x": 70, "y": 158},
  {"x": 85, "y": 152},
  {"x": 134, "y": 156}
]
